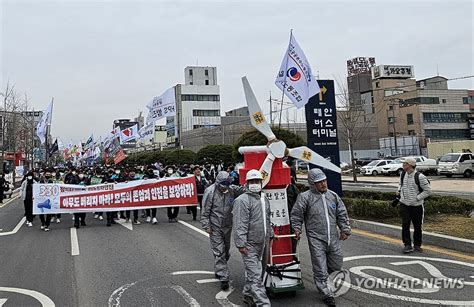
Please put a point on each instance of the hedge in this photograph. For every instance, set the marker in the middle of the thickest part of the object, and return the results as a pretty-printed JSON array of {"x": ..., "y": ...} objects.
[{"x": 374, "y": 204}]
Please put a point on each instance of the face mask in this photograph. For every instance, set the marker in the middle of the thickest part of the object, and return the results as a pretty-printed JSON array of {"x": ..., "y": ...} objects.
[
  {"x": 81, "y": 176},
  {"x": 255, "y": 187},
  {"x": 117, "y": 172},
  {"x": 170, "y": 171},
  {"x": 30, "y": 177},
  {"x": 74, "y": 173}
]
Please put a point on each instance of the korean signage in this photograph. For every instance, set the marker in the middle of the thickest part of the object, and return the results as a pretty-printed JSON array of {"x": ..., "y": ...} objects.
[
  {"x": 140, "y": 194},
  {"x": 359, "y": 65},
  {"x": 393, "y": 71},
  {"x": 321, "y": 125},
  {"x": 279, "y": 208}
]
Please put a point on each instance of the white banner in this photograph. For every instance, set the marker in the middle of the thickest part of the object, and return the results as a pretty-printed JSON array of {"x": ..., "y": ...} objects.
[
  {"x": 44, "y": 122},
  {"x": 295, "y": 77},
  {"x": 131, "y": 133},
  {"x": 147, "y": 132},
  {"x": 162, "y": 106},
  {"x": 278, "y": 206}
]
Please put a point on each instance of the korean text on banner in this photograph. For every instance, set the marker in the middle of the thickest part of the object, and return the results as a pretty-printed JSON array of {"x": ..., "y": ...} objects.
[{"x": 140, "y": 194}]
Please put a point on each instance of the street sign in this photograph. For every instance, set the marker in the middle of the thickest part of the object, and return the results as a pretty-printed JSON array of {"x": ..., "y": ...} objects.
[{"x": 321, "y": 127}]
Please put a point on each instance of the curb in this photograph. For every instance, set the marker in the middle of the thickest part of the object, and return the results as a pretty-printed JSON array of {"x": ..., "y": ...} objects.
[{"x": 449, "y": 242}]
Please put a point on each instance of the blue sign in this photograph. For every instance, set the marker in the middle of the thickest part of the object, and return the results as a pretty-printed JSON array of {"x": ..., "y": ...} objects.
[{"x": 321, "y": 125}]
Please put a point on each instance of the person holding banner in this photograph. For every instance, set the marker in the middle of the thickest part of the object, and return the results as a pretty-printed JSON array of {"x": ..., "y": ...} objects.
[
  {"x": 110, "y": 178},
  {"x": 73, "y": 178},
  {"x": 150, "y": 175},
  {"x": 27, "y": 197},
  {"x": 172, "y": 211},
  {"x": 132, "y": 177},
  {"x": 201, "y": 185},
  {"x": 46, "y": 218}
]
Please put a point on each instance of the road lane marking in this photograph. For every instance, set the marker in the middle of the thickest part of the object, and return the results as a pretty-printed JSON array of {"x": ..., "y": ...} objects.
[
  {"x": 432, "y": 248},
  {"x": 192, "y": 272},
  {"x": 40, "y": 297},
  {"x": 206, "y": 281},
  {"x": 187, "y": 297},
  {"x": 125, "y": 224},
  {"x": 15, "y": 230},
  {"x": 2, "y": 301},
  {"x": 114, "y": 299},
  {"x": 74, "y": 242},
  {"x": 194, "y": 228},
  {"x": 408, "y": 298},
  {"x": 8, "y": 202}
]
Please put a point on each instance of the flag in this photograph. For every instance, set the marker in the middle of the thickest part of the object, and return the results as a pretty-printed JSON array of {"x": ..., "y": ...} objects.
[
  {"x": 294, "y": 77},
  {"x": 89, "y": 142},
  {"x": 54, "y": 148},
  {"x": 162, "y": 106},
  {"x": 44, "y": 122},
  {"x": 147, "y": 132},
  {"x": 128, "y": 134}
]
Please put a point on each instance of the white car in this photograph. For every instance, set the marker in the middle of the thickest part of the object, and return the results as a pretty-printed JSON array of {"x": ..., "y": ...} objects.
[
  {"x": 374, "y": 168},
  {"x": 456, "y": 164},
  {"x": 394, "y": 167}
]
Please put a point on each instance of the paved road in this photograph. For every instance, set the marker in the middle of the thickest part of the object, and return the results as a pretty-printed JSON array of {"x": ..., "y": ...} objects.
[{"x": 155, "y": 265}]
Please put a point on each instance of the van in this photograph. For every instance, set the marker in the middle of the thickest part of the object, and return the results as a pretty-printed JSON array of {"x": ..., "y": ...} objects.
[{"x": 456, "y": 164}]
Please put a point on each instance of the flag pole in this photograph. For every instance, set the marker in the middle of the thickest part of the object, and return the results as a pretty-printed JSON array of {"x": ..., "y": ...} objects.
[
  {"x": 284, "y": 81},
  {"x": 48, "y": 127}
]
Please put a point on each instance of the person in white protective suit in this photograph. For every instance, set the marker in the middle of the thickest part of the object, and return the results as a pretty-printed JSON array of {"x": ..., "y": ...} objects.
[
  {"x": 253, "y": 232},
  {"x": 216, "y": 219},
  {"x": 322, "y": 211}
]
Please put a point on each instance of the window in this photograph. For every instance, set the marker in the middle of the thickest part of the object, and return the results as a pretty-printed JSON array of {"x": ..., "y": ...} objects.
[
  {"x": 206, "y": 113},
  {"x": 391, "y": 120},
  {"x": 465, "y": 157},
  {"x": 190, "y": 72},
  {"x": 410, "y": 119},
  {"x": 191, "y": 83},
  {"x": 207, "y": 82},
  {"x": 377, "y": 84},
  {"x": 444, "y": 117},
  {"x": 447, "y": 133},
  {"x": 443, "y": 100},
  {"x": 206, "y": 72},
  {"x": 421, "y": 100},
  {"x": 400, "y": 83},
  {"x": 200, "y": 98},
  {"x": 411, "y": 132},
  {"x": 465, "y": 100},
  {"x": 390, "y": 108}
]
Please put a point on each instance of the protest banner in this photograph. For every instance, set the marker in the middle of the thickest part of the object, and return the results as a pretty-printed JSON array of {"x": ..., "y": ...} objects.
[{"x": 140, "y": 194}]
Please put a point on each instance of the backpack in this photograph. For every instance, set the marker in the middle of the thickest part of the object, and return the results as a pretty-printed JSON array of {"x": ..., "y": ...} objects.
[{"x": 417, "y": 180}]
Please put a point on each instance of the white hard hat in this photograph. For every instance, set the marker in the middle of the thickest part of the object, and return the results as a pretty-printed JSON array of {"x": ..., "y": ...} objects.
[{"x": 253, "y": 174}]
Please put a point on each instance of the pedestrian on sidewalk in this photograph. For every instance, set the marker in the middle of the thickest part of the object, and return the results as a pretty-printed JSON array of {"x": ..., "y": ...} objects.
[
  {"x": 3, "y": 184},
  {"x": 413, "y": 188},
  {"x": 253, "y": 232},
  {"x": 27, "y": 197},
  {"x": 322, "y": 211}
]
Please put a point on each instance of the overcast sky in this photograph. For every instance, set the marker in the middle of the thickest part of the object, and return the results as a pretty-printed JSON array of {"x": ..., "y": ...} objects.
[{"x": 103, "y": 60}]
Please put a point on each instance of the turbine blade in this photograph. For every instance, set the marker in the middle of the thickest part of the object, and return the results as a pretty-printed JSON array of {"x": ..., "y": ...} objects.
[
  {"x": 306, "y": 154},
  {"x": 266, "y": 169},
  {"x": 256, "y": 115}
]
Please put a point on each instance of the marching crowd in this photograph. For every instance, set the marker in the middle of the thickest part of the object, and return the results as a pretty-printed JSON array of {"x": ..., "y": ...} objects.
[{"x": 227, "y": 209}]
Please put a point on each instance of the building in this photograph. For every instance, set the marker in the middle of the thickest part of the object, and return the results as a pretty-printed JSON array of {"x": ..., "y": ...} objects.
[
  {"x": 197, "y": 103},
  {"x": 242, "y": 111}
]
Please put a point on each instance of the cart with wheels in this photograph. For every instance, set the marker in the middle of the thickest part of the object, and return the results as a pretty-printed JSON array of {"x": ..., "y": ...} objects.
[{"x": 283, "y": 272}]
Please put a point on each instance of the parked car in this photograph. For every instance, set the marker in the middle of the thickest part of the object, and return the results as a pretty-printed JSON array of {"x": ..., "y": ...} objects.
[
  {"x": 363, "y": 161},
  {"x": 423, "y": 165},
  {"x": 302, "y": 166},
  {"x": 456, "y": 164},
  {"x": 374, "y": 168}
]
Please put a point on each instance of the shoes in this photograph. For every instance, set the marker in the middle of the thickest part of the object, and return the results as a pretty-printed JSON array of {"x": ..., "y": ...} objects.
[
  {"x": 46, "y": 229},
  {"x": 407, "y": 249},
  {"x": 170, "y": 220},
  {"x": 29, "y": 224},
  {"x": 127, "y": 220},
  {"x": 52, "y": 219},
  {"x": 109, "y": 224},
  {"x": 96, "y": 216},
  {"x": 418, "y": 249},
  {"x": 154, "y": 220},
  {"x": 101, "y": 218},
  {"x": 175, "y": 220},
  {"x": 83, "y": 224},
  {"x": 225, "y": 285},
  {"x": 113, "y": 222},
  {"x": 42, "y": 227},
  {"x": 58, "y": 221},
  {"x": 136, "y": 222},
  {"x": 194, "y": 218},
  {"x": 76, "y": 225},
  {"x": 148, "y": 219},
  {"x": 329, "y": 301}
]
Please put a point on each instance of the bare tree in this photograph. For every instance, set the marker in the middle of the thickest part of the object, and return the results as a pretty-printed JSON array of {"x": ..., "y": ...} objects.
[{"x": 352, "y": 118}]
